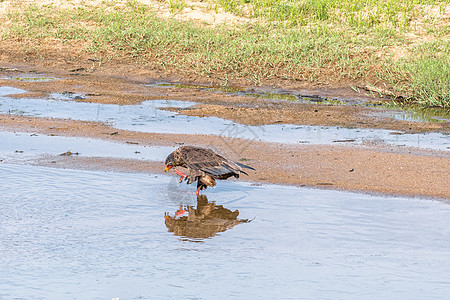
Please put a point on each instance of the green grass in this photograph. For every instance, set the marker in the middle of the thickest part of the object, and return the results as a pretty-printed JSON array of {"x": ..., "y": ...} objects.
[
  {"x": 356, "y": 13},
  {"x": 316, "y": 40},
  {"x": 426, "y": 77},
  {"x": 176, "y": 5}
]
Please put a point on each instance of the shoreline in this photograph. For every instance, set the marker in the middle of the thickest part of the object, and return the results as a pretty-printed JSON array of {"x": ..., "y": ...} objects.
[{"x": 406, "y": 172}]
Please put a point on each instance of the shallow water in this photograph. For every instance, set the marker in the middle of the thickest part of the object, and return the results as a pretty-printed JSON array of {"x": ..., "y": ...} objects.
[
  {"x": 270, "y": 94},
  {"x": 70, "y": 234},
  {"x": 28, "y": 78},
  {"x": 414, "y": 116},
  {"x": 19, "y": 146},
  {"x": 148, "y": 117}
]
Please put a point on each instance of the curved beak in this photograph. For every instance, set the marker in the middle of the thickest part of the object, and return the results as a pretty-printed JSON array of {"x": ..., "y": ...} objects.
[{"x": 167, "y": 168}]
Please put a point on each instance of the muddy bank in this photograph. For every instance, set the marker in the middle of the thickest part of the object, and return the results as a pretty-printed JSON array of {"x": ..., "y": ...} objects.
[
  {"x": 124, "y": 86},
  {"x": 386, "y": 170}
]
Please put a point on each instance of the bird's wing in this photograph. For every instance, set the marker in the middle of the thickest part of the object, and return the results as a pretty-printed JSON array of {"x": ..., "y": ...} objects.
[{"x": 209, "y": 162}]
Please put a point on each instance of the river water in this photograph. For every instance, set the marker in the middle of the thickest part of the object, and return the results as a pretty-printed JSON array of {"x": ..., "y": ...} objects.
[{"x": 73, "y": 234}]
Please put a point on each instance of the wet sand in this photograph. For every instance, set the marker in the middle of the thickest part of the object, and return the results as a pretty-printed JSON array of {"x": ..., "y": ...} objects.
[{"x": 386, "y": 170}]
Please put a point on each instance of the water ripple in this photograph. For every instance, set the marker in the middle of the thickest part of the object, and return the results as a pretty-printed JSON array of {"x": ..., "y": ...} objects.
[{"x": 98, "y": 235}]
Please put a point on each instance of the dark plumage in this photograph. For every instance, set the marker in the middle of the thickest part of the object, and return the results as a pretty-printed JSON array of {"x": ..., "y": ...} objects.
[{"x": 204, "y": 166}]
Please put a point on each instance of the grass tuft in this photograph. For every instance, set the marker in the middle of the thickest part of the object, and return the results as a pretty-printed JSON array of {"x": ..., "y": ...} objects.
[{"x": 426, "y": 77}]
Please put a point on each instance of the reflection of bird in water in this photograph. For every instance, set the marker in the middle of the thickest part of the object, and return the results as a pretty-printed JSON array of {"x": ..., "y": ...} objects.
[
  {"x": 204, "y": 166},
  {"x": 204, "y": 221}
]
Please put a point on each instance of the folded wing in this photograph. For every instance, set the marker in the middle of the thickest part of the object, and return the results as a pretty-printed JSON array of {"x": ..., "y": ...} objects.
[{"x": 200, "y": 159}]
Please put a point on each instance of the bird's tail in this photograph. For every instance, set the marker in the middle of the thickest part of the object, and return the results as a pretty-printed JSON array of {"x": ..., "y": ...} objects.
[{"x": 245, "y": 166}]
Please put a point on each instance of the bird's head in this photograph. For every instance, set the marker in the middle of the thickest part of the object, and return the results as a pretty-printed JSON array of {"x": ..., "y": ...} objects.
[
  {"x": 168, "y": 167},
  {"x": 170, "y": 162}
]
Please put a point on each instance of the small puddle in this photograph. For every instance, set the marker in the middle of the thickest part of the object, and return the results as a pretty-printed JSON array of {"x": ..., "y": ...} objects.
[
  {"x": 104, "y": 235},
  {"x": 224, "y": 89},
  {"x": 416, "y": 117},
  {"x": 18, "y": 146},
  {"x": 6, "y": 90},
  {"x": 413, "y": 114},
  {"x": 148, "y": 117},
  {"x": 67, "y": 96},
  {"x": 294, "y": 97},
  {"x": 272, "y": 95},
  {"x": 30, "y": 78},
  {"x": 286, "y": 95}
]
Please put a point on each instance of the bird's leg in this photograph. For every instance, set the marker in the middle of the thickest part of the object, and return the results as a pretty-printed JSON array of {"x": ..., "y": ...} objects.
[
  {"x": 198, "y": 189},
  {"x": 166, "y": 216},
  {"x": 179, "y": 212},
  {"x": 182, "y": 175}
]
